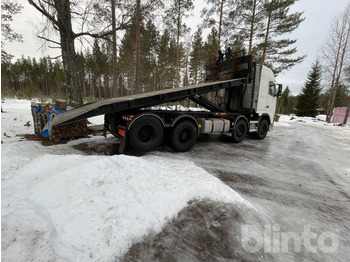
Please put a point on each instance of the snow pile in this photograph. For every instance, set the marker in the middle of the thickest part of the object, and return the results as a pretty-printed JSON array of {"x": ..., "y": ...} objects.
[
  {"x": 318, "y": 120},
  {"x": 82, "y": 207},
  {"x": 60, "y": 205}
]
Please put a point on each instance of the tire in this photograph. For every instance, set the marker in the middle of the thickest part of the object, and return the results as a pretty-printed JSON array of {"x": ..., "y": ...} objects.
[
  {"x": 239, "y": 132},
  {"x": 146, "y": 134},
  {"x": 263, "y": 128},
  {"x": 184, "y": 136}
]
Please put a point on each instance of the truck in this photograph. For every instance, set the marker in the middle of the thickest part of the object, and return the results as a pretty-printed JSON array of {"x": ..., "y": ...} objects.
[{"x": 247, "y": 94}]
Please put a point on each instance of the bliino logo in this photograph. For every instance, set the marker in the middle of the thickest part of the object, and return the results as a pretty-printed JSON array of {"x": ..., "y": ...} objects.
[{"x": 270, "y": 239}]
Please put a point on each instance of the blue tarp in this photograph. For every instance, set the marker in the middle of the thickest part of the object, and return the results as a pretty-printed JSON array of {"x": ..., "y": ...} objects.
[{"x": 46, "y": 132}]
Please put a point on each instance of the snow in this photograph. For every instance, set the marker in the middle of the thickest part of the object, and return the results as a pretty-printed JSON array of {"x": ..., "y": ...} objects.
[
  {"x": 60, "y": 204},
  {"x": 318, "y": 120},
  {"x": 96, "y": 120}
]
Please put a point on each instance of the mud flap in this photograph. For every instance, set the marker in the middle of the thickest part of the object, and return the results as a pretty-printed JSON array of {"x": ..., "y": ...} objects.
[{"x": 122, "y": 146}]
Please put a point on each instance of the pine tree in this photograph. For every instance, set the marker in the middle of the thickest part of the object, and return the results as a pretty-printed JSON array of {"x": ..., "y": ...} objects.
[
  {"x": 149, "y": 44},
  {"x": 174, "y": 20},
  {"x": 197, "y": 60},
  {"x": 308, "y": 101},
  {"x": 166, "y": 56},
  {"x": 285, "y": 102},
  {"x": 126, "y": 60},
  {"x": 210, "y": 46},
  {"x": 274, "y": 50},
  {"x": 8, "y": 10},
  {"x": 250, "y": 18},
  {"x": 221, "y": 14}
]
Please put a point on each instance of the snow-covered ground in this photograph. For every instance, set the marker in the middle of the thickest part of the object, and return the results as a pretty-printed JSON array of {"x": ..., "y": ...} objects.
[
  {"x": 79, "y": 202},
  {"x": 59, "y": 203}
]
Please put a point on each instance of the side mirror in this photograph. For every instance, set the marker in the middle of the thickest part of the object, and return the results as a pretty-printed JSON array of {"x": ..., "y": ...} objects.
[{"x": 279, "y": 92}]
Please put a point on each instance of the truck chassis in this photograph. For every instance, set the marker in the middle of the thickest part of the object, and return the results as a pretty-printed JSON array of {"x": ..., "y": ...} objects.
[{"x": 132, "y": 121}]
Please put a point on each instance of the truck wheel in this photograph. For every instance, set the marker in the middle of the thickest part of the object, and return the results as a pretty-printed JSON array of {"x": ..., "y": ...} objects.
[
  {"x": 184, "y": 136},
  {"x": 239, "y": 132},
  {"x": 262, "y": 129},
  {"x": 146, "y": 134}
]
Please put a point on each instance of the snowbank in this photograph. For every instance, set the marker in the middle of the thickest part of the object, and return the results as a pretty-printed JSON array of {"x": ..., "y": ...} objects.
[
  {"x": 319, "y": 120},
  {"x": 58, "y": 204},
  {"x": 83, "y": 207}
]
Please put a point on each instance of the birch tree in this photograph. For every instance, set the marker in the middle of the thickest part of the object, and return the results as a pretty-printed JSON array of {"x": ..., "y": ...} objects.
[{"x": 336, "y": 55}]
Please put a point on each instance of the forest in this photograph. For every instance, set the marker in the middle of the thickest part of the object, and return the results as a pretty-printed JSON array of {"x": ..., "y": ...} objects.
[{"x": 139, "y": 46}]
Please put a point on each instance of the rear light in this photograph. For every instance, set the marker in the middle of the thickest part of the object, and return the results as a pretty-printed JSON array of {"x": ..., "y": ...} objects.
[
  {"x": 121, "y": 132},
  {"x": 127, "y": 118},
  {"x": 220, "y": 114}
]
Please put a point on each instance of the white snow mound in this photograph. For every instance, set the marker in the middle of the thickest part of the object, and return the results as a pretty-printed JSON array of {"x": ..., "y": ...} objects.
[{"x": 82, "y": 208}]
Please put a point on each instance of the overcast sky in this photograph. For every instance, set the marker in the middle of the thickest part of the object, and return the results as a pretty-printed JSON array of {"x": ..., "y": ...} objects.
[{"x": 310, "y": 35}]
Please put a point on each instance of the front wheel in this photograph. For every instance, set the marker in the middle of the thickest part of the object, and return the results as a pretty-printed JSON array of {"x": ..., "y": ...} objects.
[
  {"x": 263, "y": 128},
  {"x": 239, "y": 132},
  {"x": 184, "y": 136}
]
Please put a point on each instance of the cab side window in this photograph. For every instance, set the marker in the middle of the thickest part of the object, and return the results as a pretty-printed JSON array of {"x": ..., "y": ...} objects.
[{"x": 272, "y": 89}]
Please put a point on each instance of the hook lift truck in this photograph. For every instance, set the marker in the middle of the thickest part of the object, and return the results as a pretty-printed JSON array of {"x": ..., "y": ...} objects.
[{"x": 248, "y": 92}]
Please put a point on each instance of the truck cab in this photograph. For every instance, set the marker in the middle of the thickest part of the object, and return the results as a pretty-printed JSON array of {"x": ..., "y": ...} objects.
[{"x": 266, "y": 94}]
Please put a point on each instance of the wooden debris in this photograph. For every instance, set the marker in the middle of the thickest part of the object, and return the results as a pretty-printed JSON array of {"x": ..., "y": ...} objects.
[
  {"x": 63, "y": 132},
  {"x": 72, "y": 130},
  {"x": 61, "y": 104}
]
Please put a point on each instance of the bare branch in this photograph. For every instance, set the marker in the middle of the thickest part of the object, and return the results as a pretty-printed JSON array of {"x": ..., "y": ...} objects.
[
  {"x": 54, "y": 47},
  {"x": 42, "y": 10},
  {"x": 102, "y": 34},
  {"x": 48, "y": 40},
  {"x": 52, "y": 58}
]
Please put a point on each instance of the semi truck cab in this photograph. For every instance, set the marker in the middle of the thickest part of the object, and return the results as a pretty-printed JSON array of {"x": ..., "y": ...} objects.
[{"x": 267, "y": 93}]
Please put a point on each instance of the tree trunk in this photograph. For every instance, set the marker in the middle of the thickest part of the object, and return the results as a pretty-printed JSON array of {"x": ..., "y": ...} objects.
[
  {"x": 185, "y": 83},
  {"x": 114, "y": 57},
  {"x": 68, "y": 51},
  {"x": 266, "y": 35},
  {"x": 220, "y": 23},
  {"x": 177, "y": 73},
  {"x": 138, "y": 46},
  {"x": 252, "y": 29}
]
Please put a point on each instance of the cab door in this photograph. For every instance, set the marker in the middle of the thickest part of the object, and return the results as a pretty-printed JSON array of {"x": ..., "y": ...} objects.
[
  {"x": 271, "y": 100},
  {"x": 267, "y": 93}
]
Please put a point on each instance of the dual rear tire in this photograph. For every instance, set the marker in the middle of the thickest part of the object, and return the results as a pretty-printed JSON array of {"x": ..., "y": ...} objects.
[{"x": 147, "y": 133}]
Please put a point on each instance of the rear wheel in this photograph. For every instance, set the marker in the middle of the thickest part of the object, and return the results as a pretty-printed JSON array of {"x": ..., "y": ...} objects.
[
  {"x": 263, "y": 128},
  {"x": 146, "y": 134},
  {"x": 184, "y": 136},
  {"x": 239, "y": 132}
]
